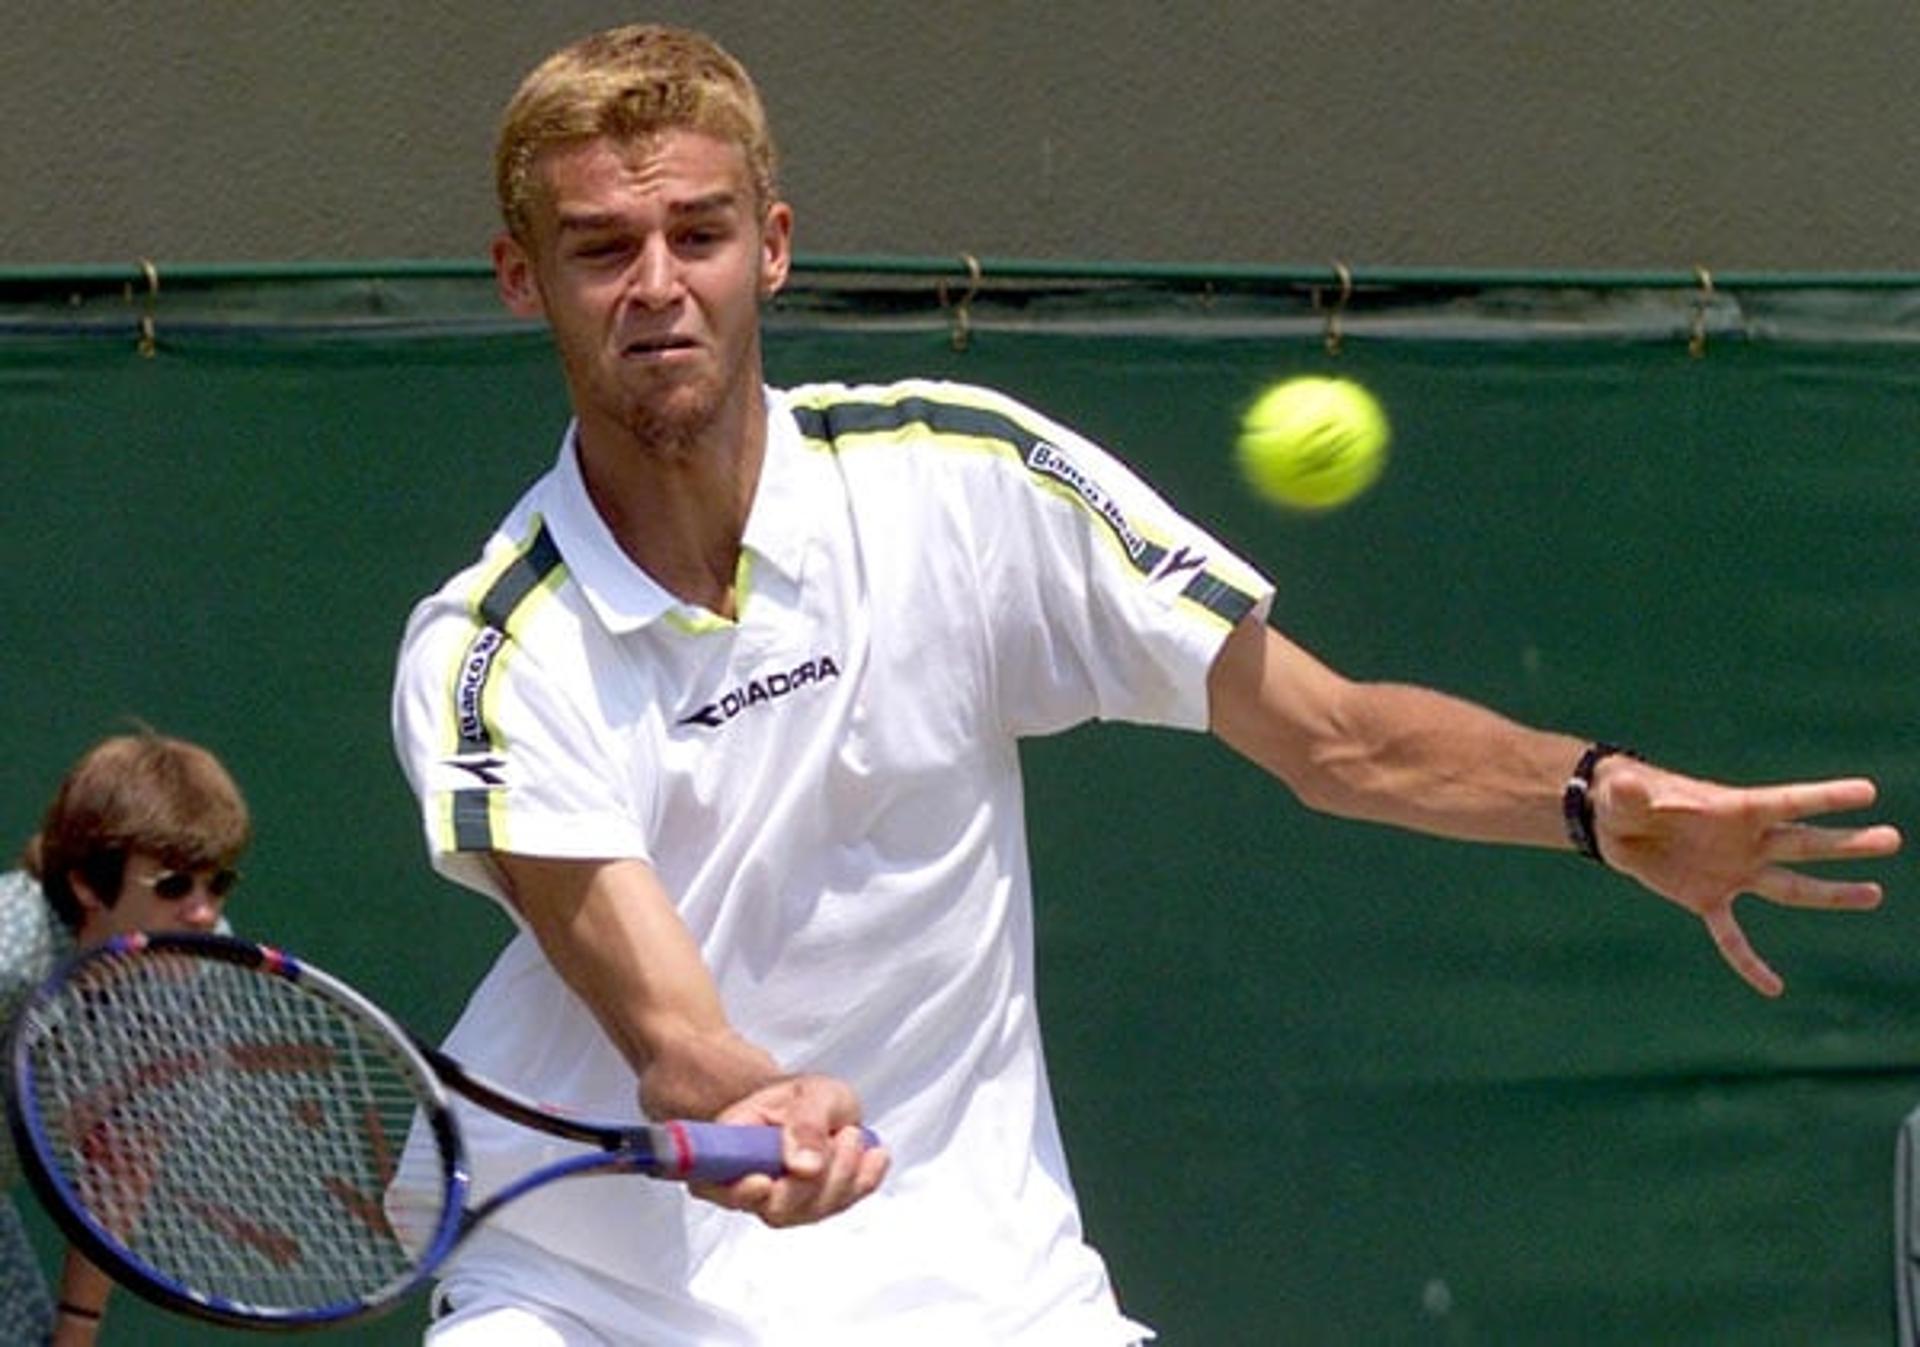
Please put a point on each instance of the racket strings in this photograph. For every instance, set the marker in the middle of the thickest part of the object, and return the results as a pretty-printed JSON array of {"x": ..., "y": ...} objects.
[{"x": 230, "y": 1129}]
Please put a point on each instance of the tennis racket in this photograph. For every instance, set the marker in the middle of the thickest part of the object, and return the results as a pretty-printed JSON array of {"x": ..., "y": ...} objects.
[{"x": 216, "y": 1124}]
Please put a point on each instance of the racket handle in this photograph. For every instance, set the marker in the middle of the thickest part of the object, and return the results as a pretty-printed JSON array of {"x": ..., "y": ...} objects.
[{"x": 700, "y": 1152}]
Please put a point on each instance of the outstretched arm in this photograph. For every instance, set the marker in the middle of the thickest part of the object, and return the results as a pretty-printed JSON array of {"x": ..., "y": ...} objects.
[{"x": 1420, "y": 759}]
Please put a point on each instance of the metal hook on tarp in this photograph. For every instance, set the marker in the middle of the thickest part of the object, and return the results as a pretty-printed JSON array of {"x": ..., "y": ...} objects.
[
  {"x": 1335, "y": 334},
  {"x": 1697, "y": 343},
  {"x": 149, "y": 342},
  {"x": 960, "y": 317}
]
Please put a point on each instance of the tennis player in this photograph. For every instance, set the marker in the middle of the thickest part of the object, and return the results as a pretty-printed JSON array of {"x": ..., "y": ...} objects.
[
  {"x": 142, "y": 835},
  {"x": 726, "y": 716}
]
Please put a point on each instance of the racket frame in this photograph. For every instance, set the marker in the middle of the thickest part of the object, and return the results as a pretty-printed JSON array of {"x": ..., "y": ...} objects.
[
  {"x": 36, "y": 1149},
  {"x": 696, "y": 1152}
]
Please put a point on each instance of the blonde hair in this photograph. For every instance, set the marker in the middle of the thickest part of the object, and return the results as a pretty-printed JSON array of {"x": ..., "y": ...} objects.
[{"x": 629, "y": 83}]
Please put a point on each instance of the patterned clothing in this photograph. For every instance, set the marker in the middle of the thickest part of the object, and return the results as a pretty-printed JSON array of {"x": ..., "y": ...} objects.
[{"x": 32, "y": 941}]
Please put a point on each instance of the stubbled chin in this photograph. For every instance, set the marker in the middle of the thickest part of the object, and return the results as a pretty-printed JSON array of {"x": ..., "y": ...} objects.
[{"x": 670, "y": 412}]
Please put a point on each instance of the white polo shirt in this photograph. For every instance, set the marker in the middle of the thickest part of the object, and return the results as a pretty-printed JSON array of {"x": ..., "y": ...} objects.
[{"x": 830, "y": 788}]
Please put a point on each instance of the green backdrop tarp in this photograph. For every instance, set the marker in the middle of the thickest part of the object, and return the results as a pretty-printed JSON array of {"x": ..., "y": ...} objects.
[{"x": 1321, "y": 1083}]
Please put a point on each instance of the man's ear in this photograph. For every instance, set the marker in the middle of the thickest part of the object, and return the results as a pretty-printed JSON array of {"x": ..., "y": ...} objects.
[
  {"x": 776, "y": 248},
  {"x": 514, "y": 275}
]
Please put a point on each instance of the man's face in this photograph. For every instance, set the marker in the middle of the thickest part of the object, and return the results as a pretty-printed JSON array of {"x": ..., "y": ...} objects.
[
  {"x": 154, "y": 896},
  {"x": 649, "y": 260}
]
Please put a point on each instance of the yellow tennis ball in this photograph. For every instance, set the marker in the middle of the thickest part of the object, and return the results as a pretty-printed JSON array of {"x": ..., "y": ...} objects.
[{"x": 1313, "y": 443}]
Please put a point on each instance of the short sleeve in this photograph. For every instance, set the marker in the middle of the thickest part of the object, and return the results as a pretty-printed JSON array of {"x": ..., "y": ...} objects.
[
  {"x": 502, "y": 756},
  {"x": 1107, "y": 603}
]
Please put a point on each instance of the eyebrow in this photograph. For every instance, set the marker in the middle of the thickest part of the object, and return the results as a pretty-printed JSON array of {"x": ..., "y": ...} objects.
[{"x": 713, "y": 203}]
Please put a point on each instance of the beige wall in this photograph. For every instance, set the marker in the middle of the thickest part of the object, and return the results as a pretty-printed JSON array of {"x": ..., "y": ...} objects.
[{"x": 1642, "y": 134}]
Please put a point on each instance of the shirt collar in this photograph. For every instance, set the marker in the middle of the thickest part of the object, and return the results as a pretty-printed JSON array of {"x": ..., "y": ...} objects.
[
  {"x": 625, "y": 597},
  {"x": 790, "y": 495}
]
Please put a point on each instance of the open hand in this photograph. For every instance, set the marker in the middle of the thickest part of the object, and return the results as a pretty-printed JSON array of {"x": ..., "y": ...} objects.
[{"x": 1702, "y": 845}]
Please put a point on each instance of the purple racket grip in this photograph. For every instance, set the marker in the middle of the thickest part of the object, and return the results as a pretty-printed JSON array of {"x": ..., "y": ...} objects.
[{"x": 698, "y": 1152}]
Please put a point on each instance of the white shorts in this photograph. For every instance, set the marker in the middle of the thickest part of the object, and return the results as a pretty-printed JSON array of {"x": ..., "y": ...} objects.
[
  {"x": 484, "y": 1322},
  {"x": 502, "y": 1291}
]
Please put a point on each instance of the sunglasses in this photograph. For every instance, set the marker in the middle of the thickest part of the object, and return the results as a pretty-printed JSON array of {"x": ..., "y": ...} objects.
[{"x": 173, "y": 885}]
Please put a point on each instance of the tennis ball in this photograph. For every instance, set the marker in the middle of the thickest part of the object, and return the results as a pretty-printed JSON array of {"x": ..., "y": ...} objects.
[{"x": 1313, "y": 443}]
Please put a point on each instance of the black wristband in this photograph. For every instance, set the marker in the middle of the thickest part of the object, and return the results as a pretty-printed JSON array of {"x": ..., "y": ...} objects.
[
  {"x": 80, "y": 1311},
  {"x": 1576, "y": 801}
]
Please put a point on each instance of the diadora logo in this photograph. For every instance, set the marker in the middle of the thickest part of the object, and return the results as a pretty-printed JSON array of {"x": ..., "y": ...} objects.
[
  {"x": 763, "y": 689},
  {"x": 461, "y": 773},
  {"x": 486, "y": 770},
  {"x": 1049, "y": 459},
  {"x": 1178, "y": 562}
]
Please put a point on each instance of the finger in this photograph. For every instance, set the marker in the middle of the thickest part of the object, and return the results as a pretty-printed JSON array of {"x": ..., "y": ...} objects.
[
  {"x": 837, "y": 1185},
  {"x": 788, "y": 1203},
  {"x": 853, "y": 1172},
  {"x": 1739, "y": 954},
  {"x": 1790, "y": 888},
  {"x": 1803, "y": 842},
  {"x": 875, "y": 1161},
  {"x": 804, "y": 1149},
  {"x": 750, "y": 1194},
  {"x": 1804, "y": 799}
]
